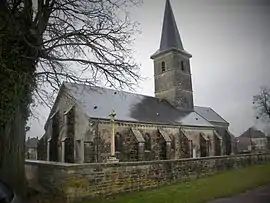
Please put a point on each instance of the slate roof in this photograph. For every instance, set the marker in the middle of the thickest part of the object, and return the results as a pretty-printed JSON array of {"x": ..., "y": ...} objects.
[
  {"x": 254, "y": 133},
  {"x": 209, "y": 114},
  {"x": 99, "y": 102},
  {"x": 31, "y": 143},
  {"x": 170, "y": 37}
]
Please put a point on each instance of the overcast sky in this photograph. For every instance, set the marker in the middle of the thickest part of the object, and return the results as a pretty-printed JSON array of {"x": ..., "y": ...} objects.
[{"x": 230, "y": 44}]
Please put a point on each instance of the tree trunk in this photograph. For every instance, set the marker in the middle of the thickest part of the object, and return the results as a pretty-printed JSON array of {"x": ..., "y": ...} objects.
[
  {"x": 12, "y": 141},
  {"x": 16, "y": 77}
]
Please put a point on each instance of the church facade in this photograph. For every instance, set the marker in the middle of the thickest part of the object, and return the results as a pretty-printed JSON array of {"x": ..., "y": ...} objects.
[{"x": 94, "y": 124}]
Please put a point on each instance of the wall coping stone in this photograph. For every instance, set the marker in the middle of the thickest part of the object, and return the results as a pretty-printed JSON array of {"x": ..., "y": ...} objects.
[{"x": 138, "y": 163}]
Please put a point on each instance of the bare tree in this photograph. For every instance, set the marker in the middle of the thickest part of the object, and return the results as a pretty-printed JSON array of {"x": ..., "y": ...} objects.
[
  {"x": 46, "y": 42},
  {"x": 262, "y": 103}
]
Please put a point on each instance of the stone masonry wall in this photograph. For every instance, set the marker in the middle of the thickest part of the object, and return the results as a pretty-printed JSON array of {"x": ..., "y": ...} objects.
[
  {"x": 129, "y": 151},
  {"x": 78, "y": 181}
]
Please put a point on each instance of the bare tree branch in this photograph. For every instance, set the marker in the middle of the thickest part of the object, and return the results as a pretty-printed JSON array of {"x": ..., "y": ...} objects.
[
  {"x": 86, "y": 41},
  {"x": 262, "y": 103},
  {"x": 44, "y": 43}
]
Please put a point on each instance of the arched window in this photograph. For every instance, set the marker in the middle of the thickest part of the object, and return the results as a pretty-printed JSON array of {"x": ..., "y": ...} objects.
[
  {"x": 118, "y": 142},
  {"x": 54, "y": 142},
  {"x": 70, "y": 122},
  {"x": 147, "y": 145},
  {"x": 163, "y": 66}
]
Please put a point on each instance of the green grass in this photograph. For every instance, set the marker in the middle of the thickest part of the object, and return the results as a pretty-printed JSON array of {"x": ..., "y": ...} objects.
[{"x": 201, "y": 190}]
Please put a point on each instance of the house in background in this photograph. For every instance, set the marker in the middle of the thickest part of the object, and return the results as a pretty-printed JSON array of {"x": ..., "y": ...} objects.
[
  {"x": 252, "y": 140},
  {"x": 244, "y": 145},
  {"x": 31, "y": 148}
]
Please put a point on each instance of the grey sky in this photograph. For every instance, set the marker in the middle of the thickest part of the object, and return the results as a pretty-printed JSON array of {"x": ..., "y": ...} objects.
[{"x": 229, "y": 41}]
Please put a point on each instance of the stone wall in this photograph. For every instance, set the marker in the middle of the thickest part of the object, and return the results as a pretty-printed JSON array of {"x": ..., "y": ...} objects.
[
  {"x": 159, "y": 150},
  {"x": 78, "y": 181}
]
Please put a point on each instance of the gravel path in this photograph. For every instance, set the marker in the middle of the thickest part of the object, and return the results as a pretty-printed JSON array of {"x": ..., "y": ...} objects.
[{"x": 259, "y": 195}]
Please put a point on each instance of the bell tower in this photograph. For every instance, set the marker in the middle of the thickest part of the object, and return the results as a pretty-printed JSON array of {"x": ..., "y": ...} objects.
[{"x": 172, "y": 65}]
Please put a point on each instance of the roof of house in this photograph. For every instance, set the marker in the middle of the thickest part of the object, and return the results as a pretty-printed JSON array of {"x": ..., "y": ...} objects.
[
  {"x": 253, "y": 133},
  {"x": 31, "y": 142},
  {"x": 99, "y": 102},
  {"x": 209, "y": 114},
  {"x": 170, "y": 37}
]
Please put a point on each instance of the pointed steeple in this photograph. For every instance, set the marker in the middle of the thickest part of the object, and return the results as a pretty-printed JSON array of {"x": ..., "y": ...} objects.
[{"x": 170, "y": 37}]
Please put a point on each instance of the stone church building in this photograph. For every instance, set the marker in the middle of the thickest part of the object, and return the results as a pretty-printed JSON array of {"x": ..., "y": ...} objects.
[{"x": 94, "y": 124}]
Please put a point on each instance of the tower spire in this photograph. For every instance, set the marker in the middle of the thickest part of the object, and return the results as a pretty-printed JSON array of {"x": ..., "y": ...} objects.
[
  {"x": 172, "y": 66},
  {"x": 170, "y": 37}
]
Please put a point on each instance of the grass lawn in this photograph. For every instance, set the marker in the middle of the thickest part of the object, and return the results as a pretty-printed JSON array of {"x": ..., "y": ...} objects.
[{"x": 201, "y": 190}]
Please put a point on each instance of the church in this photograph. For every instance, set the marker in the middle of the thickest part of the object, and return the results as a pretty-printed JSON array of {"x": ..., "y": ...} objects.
[{"x": 94, "y": 124}]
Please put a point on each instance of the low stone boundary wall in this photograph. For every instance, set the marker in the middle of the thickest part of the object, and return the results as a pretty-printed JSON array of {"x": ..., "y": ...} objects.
[{"x": 77, "y": 181}]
